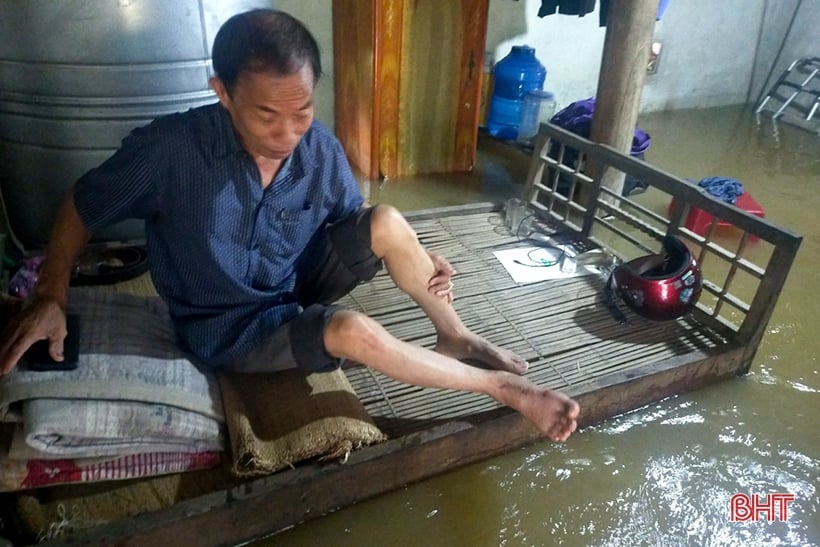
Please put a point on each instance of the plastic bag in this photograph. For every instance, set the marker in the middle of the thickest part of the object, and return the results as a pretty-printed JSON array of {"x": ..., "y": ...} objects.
[{"x": 23, "y": 281}]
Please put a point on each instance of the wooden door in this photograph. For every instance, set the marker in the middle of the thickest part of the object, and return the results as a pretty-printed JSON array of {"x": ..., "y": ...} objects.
[
  {"x": 354, "y": 62},
  {"x": 408, "y": 83}
]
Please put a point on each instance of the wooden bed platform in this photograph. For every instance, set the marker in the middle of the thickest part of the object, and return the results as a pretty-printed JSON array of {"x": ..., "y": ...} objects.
[{"x": 562, "y": 327}]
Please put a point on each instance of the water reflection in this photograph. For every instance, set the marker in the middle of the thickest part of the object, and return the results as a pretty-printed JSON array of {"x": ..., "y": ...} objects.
[
  {"x": 678, "y": 493},
  {"x": 664, "y": 474}
]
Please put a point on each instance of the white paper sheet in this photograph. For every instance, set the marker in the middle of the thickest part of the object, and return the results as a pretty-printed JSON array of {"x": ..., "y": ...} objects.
[{"x": 530, "y": 264}]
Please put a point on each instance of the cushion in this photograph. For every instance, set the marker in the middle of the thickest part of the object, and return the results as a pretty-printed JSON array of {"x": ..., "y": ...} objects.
[{"x": 276, "y": 420}]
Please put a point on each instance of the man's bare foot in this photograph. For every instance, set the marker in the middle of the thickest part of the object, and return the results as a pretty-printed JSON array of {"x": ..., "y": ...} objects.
[
  {"x": 552, "y": 412},
  {"x": 475, "y": 347}
]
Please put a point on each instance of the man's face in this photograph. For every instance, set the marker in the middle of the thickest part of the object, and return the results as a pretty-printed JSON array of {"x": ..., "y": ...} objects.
[{"x": 269, "y": 112}]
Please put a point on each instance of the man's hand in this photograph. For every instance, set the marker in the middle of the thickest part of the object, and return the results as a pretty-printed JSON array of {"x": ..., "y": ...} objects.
[
  {"x": 440, "y": 284},
  {"x": 42, "y": 319}
]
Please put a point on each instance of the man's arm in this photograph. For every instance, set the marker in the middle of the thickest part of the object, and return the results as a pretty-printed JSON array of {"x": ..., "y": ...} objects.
[{"x": 44, "y": 315}]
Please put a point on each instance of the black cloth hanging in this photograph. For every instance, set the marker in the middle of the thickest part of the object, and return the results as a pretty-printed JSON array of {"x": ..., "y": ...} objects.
[
  {"x": 582, "y": 7},
  {"x": 602, "y": 14},
  {"x": 566, "y": 7}
]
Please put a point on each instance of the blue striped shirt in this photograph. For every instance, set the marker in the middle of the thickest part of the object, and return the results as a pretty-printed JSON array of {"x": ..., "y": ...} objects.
[{"x": 222, "y": 249}]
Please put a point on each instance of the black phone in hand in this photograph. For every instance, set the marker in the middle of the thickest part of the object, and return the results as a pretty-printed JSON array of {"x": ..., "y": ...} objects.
[{"x": 38, "y": 358}]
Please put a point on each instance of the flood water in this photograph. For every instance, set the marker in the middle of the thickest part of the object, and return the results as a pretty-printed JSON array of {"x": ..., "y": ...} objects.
[{"x": 660, "y": 475}]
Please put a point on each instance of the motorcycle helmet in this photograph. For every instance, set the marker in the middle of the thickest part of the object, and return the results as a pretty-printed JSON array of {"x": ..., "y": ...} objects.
[{"x": 659, "y": 287}]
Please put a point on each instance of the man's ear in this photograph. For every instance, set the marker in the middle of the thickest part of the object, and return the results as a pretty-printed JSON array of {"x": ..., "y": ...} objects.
[{"x": 221, "y": 91}]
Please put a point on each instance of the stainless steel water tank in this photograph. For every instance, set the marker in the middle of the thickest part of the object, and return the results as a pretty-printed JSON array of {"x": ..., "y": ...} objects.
[{"x": 77, "y": 75}]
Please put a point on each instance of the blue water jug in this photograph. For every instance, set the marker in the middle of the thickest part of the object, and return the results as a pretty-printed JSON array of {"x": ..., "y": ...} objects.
[{"x": 514, "y": 75}]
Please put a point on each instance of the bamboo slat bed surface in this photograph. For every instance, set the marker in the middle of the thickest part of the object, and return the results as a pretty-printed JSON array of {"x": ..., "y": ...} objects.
[{"x": 560, "y": 326}]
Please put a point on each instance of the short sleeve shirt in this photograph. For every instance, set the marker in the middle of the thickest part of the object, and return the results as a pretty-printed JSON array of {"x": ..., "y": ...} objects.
[{"x": 222, "y": 250}]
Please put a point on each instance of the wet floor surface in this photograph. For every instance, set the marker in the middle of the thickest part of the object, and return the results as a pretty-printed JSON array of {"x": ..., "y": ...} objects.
[{"x": 664, "y": 474}]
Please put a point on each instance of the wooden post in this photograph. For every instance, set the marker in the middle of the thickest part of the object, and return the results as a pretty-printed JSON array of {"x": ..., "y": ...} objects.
[{"x": 629, "y": 28}]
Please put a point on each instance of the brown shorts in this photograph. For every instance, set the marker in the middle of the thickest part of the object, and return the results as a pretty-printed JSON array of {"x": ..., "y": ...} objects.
[{"x": 336, "y": 260}]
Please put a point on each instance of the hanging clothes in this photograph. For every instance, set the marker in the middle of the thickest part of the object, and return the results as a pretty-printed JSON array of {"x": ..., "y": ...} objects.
[
  {"x": 582, "y": 7},
  {"x": 566, "y": 7}
]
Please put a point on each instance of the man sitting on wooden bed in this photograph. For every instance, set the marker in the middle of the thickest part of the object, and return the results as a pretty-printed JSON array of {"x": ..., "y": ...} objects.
[{"x": 255, "y": 226}]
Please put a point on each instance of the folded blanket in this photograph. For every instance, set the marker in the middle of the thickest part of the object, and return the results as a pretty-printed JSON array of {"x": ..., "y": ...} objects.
[
  {"x": 22, "y": 475},
  {"x": 134, "y": 389},
  {"x": 18, "y": 474},
  {"x": 59, "y": 428},
  {"x": 276, "y": 420}
]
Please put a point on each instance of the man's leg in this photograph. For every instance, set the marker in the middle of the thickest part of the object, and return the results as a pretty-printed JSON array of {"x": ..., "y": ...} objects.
[
  {"x": 410, "y": 267},
  {"x": 354, "y": 336}
]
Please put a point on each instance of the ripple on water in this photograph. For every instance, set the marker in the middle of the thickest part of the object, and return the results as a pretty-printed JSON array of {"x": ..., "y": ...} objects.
[
  {"x": 684, "y": 500},
  {"x": 676, "y": 492}
]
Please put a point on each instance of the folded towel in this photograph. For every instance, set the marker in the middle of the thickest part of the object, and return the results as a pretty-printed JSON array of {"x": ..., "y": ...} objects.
[{"x": 276, "y": 420}]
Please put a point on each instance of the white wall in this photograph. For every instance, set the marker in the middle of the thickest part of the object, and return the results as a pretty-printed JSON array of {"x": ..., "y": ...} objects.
[
  {"x": 708, "y": 54},
  {"x": 568, "y": 46},
  {"x": 317, "y": 17},
  {"x": 715, "y": 52},
  {"x": 782, "y": 42},
  {"x": 707, "y": 58}
]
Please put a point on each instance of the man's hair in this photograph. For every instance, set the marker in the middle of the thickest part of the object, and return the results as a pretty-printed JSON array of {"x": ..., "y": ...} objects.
[{"x": 263, "y": 40}]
